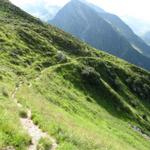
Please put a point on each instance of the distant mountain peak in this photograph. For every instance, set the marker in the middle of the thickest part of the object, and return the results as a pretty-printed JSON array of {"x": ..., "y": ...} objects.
[
  {"x": 78, "y": 1},
  {"x": 102, "y": 30}
]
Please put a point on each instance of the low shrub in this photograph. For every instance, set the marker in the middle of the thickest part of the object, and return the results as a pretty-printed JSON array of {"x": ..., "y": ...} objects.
[
  {"x": 5, "y": 92},
  {"x": 90, "y": 76},
  {"x": 44, "y": 144},
  {"x": 23, "y": 113}
]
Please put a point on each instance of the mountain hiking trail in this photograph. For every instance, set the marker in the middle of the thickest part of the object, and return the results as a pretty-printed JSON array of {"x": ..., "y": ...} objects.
[
  {"x": 138, "y": 130},
  {"x": 33, "y": 130},
  {"x": 60, "y": 65}
]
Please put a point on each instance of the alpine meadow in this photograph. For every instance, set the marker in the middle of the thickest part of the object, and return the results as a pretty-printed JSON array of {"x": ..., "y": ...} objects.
[{"x": 59, "y": 93}]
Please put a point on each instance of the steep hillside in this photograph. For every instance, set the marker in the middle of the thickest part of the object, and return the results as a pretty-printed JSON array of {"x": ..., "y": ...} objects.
[
  {"x": 123, "y": 29},
  {"x": 77, "y": 96},
  {"x": 146, "y": 37},
  {"x": 102, "y": 32}
]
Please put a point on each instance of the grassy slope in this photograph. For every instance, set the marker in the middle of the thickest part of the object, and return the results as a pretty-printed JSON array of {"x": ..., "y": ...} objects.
[{"x": 85, "y": 98}]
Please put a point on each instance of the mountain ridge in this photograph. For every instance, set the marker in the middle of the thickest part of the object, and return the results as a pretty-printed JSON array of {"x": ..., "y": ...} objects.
[{"x": 127, "y": 32}]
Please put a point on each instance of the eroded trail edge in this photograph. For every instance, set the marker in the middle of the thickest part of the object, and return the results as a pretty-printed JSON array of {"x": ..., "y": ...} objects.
[{"x": 33, "y": 130}]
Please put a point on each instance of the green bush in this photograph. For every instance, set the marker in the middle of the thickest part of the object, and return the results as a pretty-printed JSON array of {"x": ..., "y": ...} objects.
[
  {"x": 44, "y": 144},
  {"x": 61, "y": 58},
  {"x": 5, "y": 92},
  {"x": 23, "y": 113},
  {"x": 90, "y": 76},
  {"x": 1, "y": 77}
]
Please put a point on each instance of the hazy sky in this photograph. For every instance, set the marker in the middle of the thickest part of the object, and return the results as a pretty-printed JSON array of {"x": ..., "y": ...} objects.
[{"x": 137, "y": 9}]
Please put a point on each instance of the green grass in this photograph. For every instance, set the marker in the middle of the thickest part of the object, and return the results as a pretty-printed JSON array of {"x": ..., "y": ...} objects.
[
  {"x": 77, "y": 119},
  {"x": 44, "y": 144},
  {"x": 11, "y": 132},
  {"x": 85, "y": 98}
]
